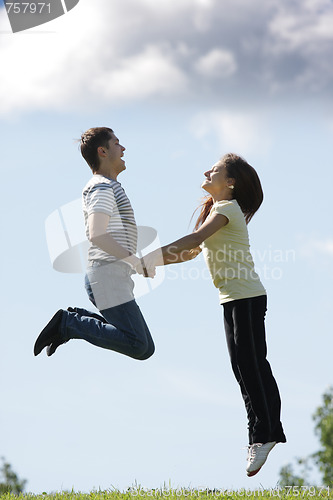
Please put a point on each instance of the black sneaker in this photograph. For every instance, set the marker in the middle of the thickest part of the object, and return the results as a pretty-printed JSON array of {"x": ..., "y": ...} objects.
[
  {"x": 49, "y": 334},
  {"x": 51, "y": 349}
]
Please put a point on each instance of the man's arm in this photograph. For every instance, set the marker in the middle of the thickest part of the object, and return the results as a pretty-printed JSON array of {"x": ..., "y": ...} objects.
[{"x": 98, "y": 223}]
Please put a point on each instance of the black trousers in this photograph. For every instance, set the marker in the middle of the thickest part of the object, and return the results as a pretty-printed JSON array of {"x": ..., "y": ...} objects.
[{"x": 244, "y": 322}]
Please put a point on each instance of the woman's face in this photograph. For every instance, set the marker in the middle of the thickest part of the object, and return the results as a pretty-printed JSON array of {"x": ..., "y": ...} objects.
[{"x": 216, "y": 179}]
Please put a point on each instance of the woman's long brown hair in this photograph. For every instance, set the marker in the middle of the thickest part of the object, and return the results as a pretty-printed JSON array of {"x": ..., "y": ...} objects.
[{"x": 247, "y": 190}]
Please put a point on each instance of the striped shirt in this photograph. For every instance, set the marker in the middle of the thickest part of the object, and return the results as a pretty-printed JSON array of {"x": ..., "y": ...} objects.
[{"x": 104, "y": 195}]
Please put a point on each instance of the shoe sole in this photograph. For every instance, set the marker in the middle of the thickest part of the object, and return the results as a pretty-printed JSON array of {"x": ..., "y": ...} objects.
[
  {"x": 253, "y": 473},
  {"x": 51, "y": 349}
]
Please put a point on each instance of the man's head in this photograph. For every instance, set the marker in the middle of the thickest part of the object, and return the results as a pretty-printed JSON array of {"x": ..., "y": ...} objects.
[{"x": 102, "y": 151}]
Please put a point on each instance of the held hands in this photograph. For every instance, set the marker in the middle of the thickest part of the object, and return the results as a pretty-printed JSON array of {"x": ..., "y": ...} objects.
[
  {"x": 146, "y": 266},
  {"x": 151, "y": 260},
  {"x": 140, "y": 266},
  {"x": 147, "y": 269}
]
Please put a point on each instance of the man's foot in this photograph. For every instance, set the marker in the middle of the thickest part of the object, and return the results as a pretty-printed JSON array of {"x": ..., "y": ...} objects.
[
  {"x": 257, "y": 456},
  {"x": 51, "y": 349},
  {"x": 50, "y": 334}
]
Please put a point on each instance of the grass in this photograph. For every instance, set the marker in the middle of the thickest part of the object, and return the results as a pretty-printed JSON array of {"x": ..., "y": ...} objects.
[{"x": 138, "y": 493}]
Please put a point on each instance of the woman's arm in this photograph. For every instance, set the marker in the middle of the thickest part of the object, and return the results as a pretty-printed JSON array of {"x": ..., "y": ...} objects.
[
  {"x": 183, "y": 256},
  {"x": 186, "y": 248}
]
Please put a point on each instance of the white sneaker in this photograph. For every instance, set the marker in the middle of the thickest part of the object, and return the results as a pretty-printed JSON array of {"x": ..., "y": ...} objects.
[{"x": 257, "y": 456}]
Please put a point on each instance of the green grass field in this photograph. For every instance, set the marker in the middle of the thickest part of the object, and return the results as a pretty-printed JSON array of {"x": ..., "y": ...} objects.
[{"x": 181, "y": 494}]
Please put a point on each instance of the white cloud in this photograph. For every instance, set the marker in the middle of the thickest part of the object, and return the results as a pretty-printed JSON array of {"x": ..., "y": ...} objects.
[
  {"x": 48, "y": 70},
  {"x": 218, "y": 63},
  {"x": 152, "y": 72},
  {"x": 302, "y": 26},
  {"x": 241, "y": 133},
  {"x": 317, "y": 248},
  {"x": 135, "y": 49},
  {"x": 300, "y": 38}
]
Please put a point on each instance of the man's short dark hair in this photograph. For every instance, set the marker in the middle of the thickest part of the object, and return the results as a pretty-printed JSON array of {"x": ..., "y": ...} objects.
[{"x": 90, "y": 141}]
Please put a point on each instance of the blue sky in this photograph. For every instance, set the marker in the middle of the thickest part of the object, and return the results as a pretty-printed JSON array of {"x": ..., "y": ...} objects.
[{"x": 181, "y": 83}]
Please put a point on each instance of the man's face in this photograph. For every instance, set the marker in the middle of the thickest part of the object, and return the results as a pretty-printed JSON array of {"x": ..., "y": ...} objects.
[{"x": 114, "y": 154}]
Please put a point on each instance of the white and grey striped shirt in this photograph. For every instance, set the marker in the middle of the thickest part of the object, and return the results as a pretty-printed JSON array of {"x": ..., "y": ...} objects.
[{"x": 105, "y": 195}]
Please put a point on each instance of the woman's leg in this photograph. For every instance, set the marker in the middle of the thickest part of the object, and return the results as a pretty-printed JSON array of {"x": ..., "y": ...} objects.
[
  {"x": 245, "y": 330},
  {"x": 229, "y": 332}
]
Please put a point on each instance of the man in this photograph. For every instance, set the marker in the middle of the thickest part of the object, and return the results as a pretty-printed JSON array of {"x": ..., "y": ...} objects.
[{"x": 112, "y": 231}]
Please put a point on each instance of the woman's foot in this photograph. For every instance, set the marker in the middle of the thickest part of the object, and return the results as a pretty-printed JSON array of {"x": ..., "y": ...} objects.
[{"x": 257, "y": 456}]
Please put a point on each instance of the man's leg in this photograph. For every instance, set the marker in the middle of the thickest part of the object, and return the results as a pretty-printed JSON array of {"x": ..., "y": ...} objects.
[
  {"x": 126, "y": 331},
  {"x": 84, "y": 312},
  {"x": 121, "y": 327}
]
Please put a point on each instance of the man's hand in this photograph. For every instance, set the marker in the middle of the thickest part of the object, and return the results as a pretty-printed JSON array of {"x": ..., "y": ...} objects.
[
  {"x": 150, "y": 261},
  {"x": 147, "y": 269}
]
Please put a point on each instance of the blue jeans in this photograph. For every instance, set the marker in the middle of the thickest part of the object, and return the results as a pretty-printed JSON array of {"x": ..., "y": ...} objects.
[{"x": 120, "y": 328}]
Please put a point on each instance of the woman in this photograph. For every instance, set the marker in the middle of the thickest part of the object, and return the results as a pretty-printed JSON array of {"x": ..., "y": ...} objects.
[{"x": 235, "y": 194}]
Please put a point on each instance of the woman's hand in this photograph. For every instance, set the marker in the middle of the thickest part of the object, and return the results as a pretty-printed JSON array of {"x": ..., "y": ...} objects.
[
  {"x": 149, "y": 263},
  {"x": 146, "y": 269}
]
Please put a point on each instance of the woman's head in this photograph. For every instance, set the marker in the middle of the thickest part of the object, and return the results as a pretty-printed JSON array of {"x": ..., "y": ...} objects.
[
  {"x": 232, "y": 178},
  {"x": 247, "y": 186}
]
